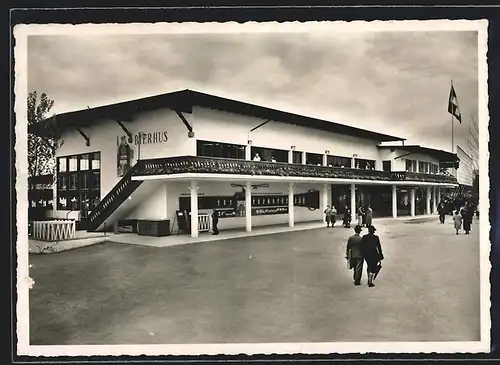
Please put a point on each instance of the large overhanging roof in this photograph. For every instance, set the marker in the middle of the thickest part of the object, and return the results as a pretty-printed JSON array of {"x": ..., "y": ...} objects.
[
  {"x": 440, "y": 155},
  {"x": 185, "y": 100}
]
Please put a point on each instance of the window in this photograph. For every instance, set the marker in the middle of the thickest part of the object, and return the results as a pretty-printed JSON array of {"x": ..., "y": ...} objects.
[
  {"x": 314, "y": 159},
  {"x": 270, "y": 154},
  {"x": 297, "y": 157},
  {"x": 84, "y": 162},
  {"x": 219, "y": 149},
  {"x": 73, "y": 163},
  {"x": 364, "y": 164},
  {"x": 78, "y": 182},
  {"x": 338, "y": 161},
  {"x": 62, "y": 164},
  {"x": 96, "y": 160}
]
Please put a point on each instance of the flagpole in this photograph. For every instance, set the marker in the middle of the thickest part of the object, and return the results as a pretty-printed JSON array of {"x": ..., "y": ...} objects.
[{"x": 452, "y": 129}]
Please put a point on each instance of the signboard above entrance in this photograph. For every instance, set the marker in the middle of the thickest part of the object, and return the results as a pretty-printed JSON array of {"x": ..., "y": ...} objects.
[{"x": 150, "y": 138}]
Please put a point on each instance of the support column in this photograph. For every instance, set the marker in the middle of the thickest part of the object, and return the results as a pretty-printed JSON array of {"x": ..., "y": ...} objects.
[
  {"x": 428, "y": 200},
  {"x": 434, "y": 199},
  {"x": 304, "y": 158},
  {"x": 248, "y": 206},
  {"x": 194, "y": 208},
  {"x": 291, "y": 210},
  {"x": 394, "y": 201},
  {"x": 290, "y": 156},
  {"x": 248, "y": 152},
  {"x": 325, "y": 158},
  {"x": 324, "y": 200},
  {"x": 353, "y": 203},
  {"x": 412, "y": 202},
  {"x": 353, "y": 162},
  {"x": 438, "y": 194}
]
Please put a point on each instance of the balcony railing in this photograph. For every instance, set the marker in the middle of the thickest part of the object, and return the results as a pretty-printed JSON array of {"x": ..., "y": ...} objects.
[{"x": 215, "y": 165}]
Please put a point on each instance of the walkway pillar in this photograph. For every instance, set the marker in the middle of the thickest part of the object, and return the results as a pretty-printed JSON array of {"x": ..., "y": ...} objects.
[
  {"x": 248, "y": 152},
  {"x": 412, "y": 202},
  {"x": 304, "y": 158},
  {"x": 248, "y": 206},
  {"x": 434, "y": 199},
  {"x": 394, "y": 201},
  {"x": 193, "y": 187},
  {"x": 325, "y": 158},
  {"x": 428, "y": 201},
  {"x": 353, "y": 203},
  {"x": 290, "y": 155},
  {"x": 291, "y": 210},
  {"x": 438, "y": 194}
]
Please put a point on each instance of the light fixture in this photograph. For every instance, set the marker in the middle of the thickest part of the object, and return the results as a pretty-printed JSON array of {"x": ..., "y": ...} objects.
[
  {"x": 327, "y": 152},
  {"x": 249, "y": 142},
  {"x": 191, "y": 134},
  {"x": 292, "y": 148},
  {"x": 355, "y": 155}
]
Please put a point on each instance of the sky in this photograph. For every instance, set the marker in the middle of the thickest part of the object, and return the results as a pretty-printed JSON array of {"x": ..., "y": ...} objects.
[{"x": 396, "y": 83}]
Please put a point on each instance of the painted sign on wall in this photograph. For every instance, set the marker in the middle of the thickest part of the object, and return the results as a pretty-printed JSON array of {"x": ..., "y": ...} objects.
[{"x": 124, "y": 156}]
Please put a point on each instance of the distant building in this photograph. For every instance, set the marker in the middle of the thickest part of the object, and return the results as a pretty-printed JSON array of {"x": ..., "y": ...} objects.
[{"x": 465, "y": 173}]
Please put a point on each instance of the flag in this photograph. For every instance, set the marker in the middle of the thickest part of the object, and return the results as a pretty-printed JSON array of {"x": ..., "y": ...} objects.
[{"x": 453, "y": 108}]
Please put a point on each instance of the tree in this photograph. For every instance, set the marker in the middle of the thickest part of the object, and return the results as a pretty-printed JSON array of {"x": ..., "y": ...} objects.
[{"x": 42, "y": 146}]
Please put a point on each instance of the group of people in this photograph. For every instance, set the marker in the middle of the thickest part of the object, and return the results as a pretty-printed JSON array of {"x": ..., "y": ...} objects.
[
  {"x": 364, "y": 248},
  {"x": 462, "y": 216},
  {"x": 365, "y": 216}
]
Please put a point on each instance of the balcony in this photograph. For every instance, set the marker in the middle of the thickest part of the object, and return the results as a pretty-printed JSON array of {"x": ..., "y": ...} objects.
[{"x": 214, "y": 165}]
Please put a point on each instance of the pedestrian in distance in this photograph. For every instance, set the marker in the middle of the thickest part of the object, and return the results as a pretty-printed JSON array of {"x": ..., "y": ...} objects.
[
  {"x": 354, "y": 255},
  {"x": 457, "y": 221},
  {"x": 347, "y": 217},
  {"x": 369, "y": 216},
  {"x": 333, "y": 216},
  {"x": 328, "y": 215},
  {"x": 215, "y": 222},
  {"x": 361, "y": 216},
  {"x": 467, "y": 214},
  {"x": 372, "y": 253},
  {"x": 441, "y": 212}
]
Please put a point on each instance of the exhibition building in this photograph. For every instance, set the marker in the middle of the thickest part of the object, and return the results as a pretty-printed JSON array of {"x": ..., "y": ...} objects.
[{"x": 169, "y": 160}]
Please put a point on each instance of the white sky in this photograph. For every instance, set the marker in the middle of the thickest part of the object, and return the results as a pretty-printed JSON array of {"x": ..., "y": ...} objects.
[{"x": 391, "y": 82}]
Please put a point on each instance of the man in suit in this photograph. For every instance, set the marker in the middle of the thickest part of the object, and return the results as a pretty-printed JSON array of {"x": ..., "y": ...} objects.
[{"x": 354, "y": 255}]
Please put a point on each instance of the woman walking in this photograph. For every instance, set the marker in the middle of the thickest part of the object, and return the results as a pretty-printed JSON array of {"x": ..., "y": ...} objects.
[
  {"x": 372, "y": 252},
  {"x": 457, "y": 220},
  {"x": 369, "y": 216},
  {"x": 360, "y": 216}
]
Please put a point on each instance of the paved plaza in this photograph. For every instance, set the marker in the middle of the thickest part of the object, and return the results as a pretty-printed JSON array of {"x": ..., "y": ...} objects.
[{"x": 286, "y": 287}]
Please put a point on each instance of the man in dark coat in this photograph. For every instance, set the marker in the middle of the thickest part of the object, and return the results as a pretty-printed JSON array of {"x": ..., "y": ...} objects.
[
  {"x": 467, "y": 214},
  {"x": 354, "y": 255},
  {"x": 372, "y": 252},
  {"x": 347, "y": 217},
  {"x": 215, "y": 222},
  {"x": 441, "y": 212}
]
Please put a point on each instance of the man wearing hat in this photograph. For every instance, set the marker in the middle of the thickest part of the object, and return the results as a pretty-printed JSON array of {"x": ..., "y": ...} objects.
[
  {"x": 354, "y": 255},
  {"x": 372, "y": 252}
]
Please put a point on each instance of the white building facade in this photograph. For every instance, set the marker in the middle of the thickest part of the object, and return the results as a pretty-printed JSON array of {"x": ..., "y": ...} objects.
[{"x": 178, "y": 156}]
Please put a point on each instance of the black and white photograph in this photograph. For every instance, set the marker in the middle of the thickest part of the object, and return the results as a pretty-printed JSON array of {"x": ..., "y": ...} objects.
[{"x": 254, "y": 188}]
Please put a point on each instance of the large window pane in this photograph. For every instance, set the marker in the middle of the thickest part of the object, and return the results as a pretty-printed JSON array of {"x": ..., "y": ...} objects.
[
  {"x": 73, "y": 163},
  {"x": 84, "y": 163},
  {"x": 62, "y": 164},
  {"x": 96, "y": 160},
  {"x": 219, "y": 149}
]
